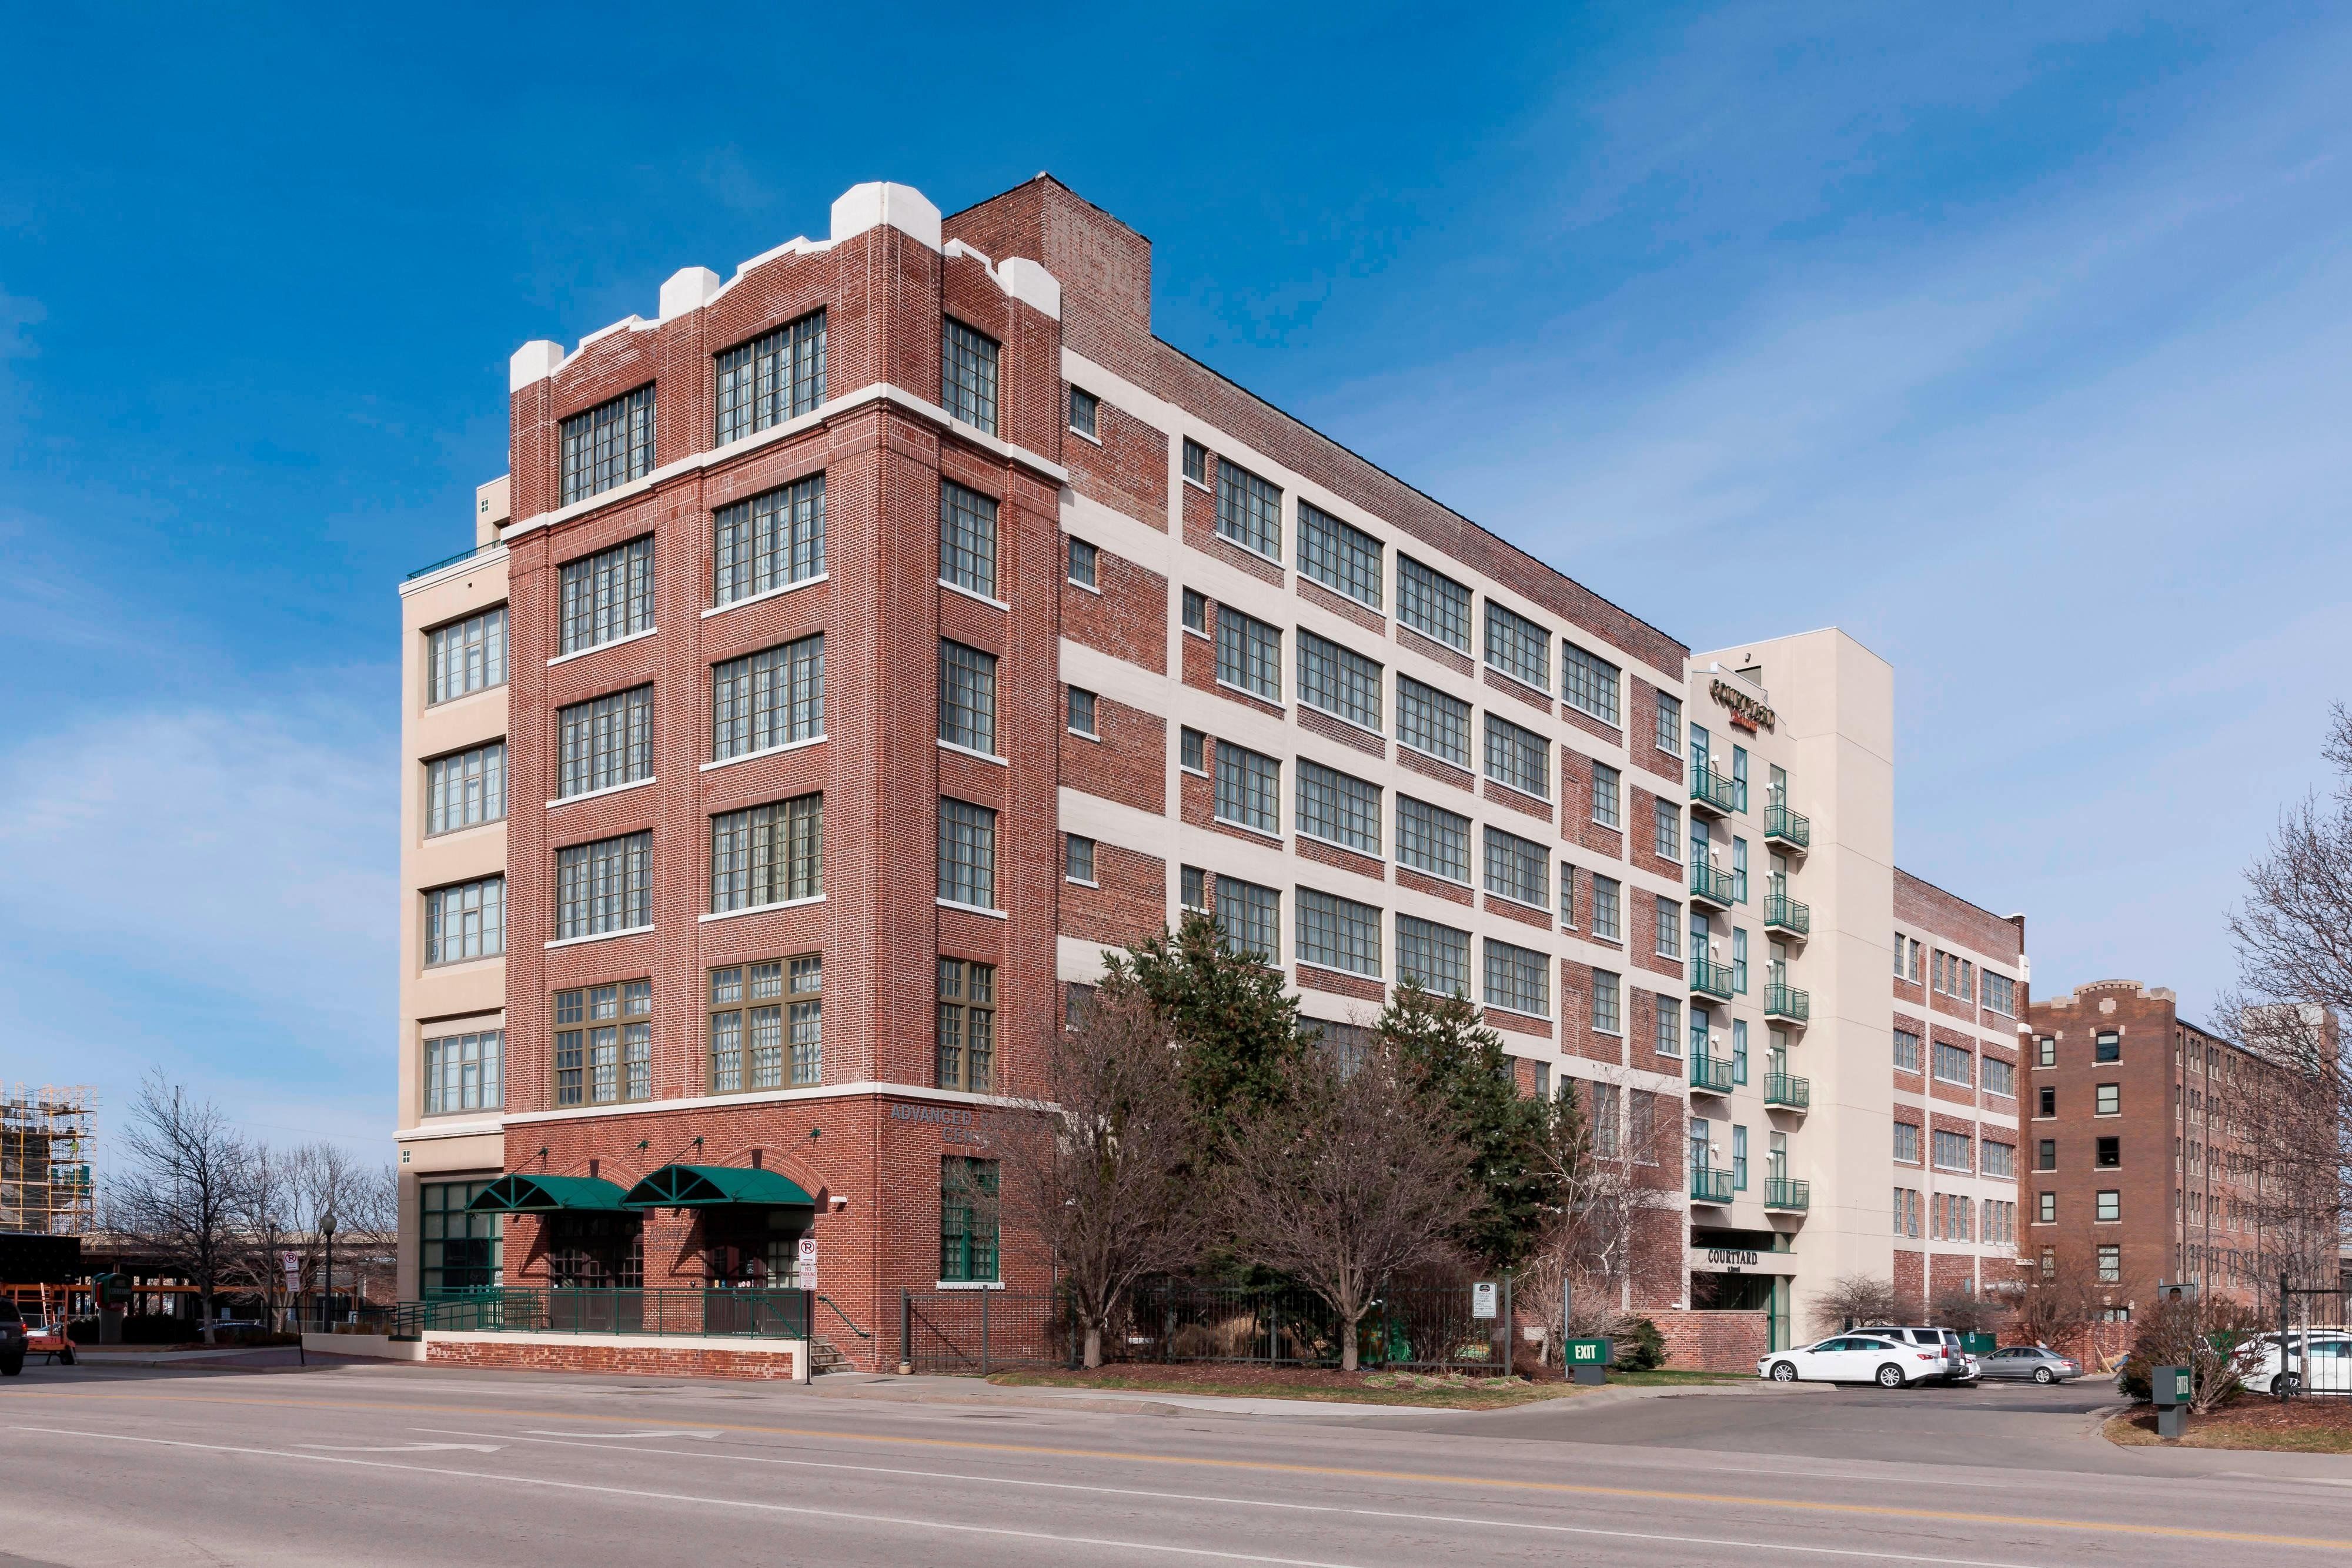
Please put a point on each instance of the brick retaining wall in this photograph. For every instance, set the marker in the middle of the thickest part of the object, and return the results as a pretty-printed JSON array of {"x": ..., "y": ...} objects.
[
  {"x": 627, "y": 1355},
  {"x": 1712, "y": 1342}
]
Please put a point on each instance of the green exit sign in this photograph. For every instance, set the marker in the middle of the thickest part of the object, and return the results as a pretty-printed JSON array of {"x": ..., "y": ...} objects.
[{"x": 1587, "y": 1353}]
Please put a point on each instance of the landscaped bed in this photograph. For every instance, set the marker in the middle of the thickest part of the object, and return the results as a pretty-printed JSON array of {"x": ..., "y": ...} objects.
[
  {"x": 1457, "y": 1391},
  {"x": 2299, "y": 1425}
]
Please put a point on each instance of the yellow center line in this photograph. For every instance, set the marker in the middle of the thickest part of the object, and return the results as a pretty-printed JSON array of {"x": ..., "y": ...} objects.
[{"x": 1341, "y": 1472}]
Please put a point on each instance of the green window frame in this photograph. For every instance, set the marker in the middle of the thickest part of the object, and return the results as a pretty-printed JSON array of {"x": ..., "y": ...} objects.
[
  {"x": 969, "y": 1250},
  {"x": 457, "y": 1253}
]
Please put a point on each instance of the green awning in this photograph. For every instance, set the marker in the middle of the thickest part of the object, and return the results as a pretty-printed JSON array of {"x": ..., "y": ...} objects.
[
  {"x": 709, "y": 1187},
  {"x": 520, "y": 1193}
]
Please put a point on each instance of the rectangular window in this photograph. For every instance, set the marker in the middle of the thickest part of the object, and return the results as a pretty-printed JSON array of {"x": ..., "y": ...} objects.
[
  {"x": 967, "y": 853},
  {"x": 1906, "y": 1143},
  {"x": 1339, "y": 681},
  {"x": 1739, "y": 870},
  {"x": 604, "y": 743},
  {"x": 2110, "y": 1207},
  {"x": 1519, "y": 978},
  {"x": 1605, "y": 1116},
  {"x": 1249, "y": 787},
  {"x": 1589, "y": 682},
  {"x": 768, "y": 542},
  {"x": 1606, "y": 1015},
  {"x": 1517, "y": 756},
  {"x": 469, "y": 656},
  {"x": 2105, "y": 1045},
  {"x": 466, "y": 790},
  {"x": 2047, "y": 1100},
  {"x": 768, "y": 855},
  {"x": 605, "y": 886},
  {"x": 1670, "y": 929},
  {"x": 1196, "y": 611},
  {"x": 1670, "y": 1027},
  {"x": 767, "y": 1024},
  {"x": 1999, "y": 1159},
  {"x": 1951, "y": 1151},
  {"x": 1192, "y": 750},
  {"x": 1738, "y": 1159},
  {"x": 605, "y": 1044},
  {"x": 2107, "y": 1153},
  {"x": 1606, "y": 810},
  {"x": 1436, "y": 957},
  {"x": 458, "y": 1250},
  {"x": 465, "y": 1073},
  {"x": 2001, "y": 994},
  {"x": 1433, "y": 840},
  {"x": 968, "y": 1219},
  {"x": 1077, "y": 858},
  {"x": 1567, "y": 895},
  {"x": 1739, "y": 1050},
  {"x": 1338, "y": 806},
  {"x": 770, "y": 379},
  {"x": 1249, "y": 654},
  {"x": 607, "y": 596},
  {"x": 1428, "y": 720},
  {"x": 2046, "y": 1155},
  {"x": 2107, "y": 1100},
  {"x": 768, "y": 699},
  {"x": 466, "y": 921},
  {"x": 1193, "y": 890},
  {"x": 1909, "y": 1057},
  {"x": 1251, "y": 918},
  {"x": 967, "y": 539},
  {"x": 2000, "y": 1078},
  {"x": 1338, "y": 933},
  {"x": 1083, "y": 559},
  {"x": 1670, "y": 724},
  {"x": 1519, "y": 647},
  {"x": 967, "y": 697},
  {"x": 1519, "y": 869},
  {"x": 968, "y": 374},
  {"x": 1666, "y": 831},
  {"x": 1605, "y": 917},
  {"x": 610, "y": 444},
  {"x": 966, "y": 1031},
  {"x": 1953, "y": 1063},
  {"x": 1339, "y": 555},
  {"x": 2111, "y": 1272},
  {"x": 1249, "y": 510},
  {"x": 1432, "y": 603},
  {"x": 1081, "y": 715},
  {"x": 1196, "y": 463},
  {"x": 1083, "y": 405}
]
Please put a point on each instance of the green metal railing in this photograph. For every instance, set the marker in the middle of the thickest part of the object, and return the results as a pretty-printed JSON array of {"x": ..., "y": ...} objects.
[
  {"x": 1782, "y": 913},
  {"x": 746, "y": 1313},
  {"x": 1781, "y": 1088},
  {"x": 1712, "y": 978},
  {"x": 1788, "y": 1002},
  {"x": 1709, "y": 788},
  {"x": 1709, "y": 1186},
  {"x": 450, "y": 561},
  {"x": 1782, "y": 1192},
  {"x": 1711, "y": 1073},
  {"x": 1788, "y": 827},
  {"x": 1715, "y": 887}
]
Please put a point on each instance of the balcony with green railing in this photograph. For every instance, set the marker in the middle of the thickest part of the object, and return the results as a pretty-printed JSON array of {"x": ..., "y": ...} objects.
[
  {"x": 1787, "y": 916},
  {"x": 1709, "y": 1186},
  {"x": 1782, "y": 826},
  {"x": 1711, "y": 885},
  {"x": 1783, "y": 1192},
  {"x": 1712, "y": 791},
  {"x": 1787, "y": 1092},
  {"x": 1710, "y": 1074},
  {"x": 1788, "y": 1002},
  {"x": 1711, "y": 979}
]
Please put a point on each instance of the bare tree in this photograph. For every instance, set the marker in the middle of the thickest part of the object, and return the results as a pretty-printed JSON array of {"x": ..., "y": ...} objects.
[
  {"x": 2054, "y": 1301},
  {"x": 1343, "y": 1178},
  {"x": 185, "y": 1187},
  {"x": 1104, "y": 1169},
  {"x": 2218, "y": 1338},
  {"x": 1854, "y": 1299},
  {"x": 268, "y": 1214},
  {"x": 1608, "y": 1172},
  {"x": 1964, "y": 1310}
]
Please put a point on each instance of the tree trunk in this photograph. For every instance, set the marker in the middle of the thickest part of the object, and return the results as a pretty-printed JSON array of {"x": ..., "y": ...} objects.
[
  {"x": 209, "y": 1312},
  {"x": 1348, "y": 1361},
  {"x": 1093, "y": 1346}
]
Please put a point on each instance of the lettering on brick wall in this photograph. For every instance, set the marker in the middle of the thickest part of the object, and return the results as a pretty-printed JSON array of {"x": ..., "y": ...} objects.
[
  {"x": 956, "y": 1126},
  {"x": 1746, "y": 713}
]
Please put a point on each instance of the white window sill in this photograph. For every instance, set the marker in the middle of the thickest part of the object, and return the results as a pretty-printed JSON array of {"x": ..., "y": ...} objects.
[
  {"x": 1575, "y": 707},
  {"x": 766, "y": 593},
  {"x": 1518, "y": 681},
  {"x": 599, "y": 794},
  {"x": 1305, "y": 706},
  {"x": 1516, "y": 1012},
  {"x": 976, "y": 596},
  {"x": 1195, "y": 772},
  {"x": 763, "y": 751},
  {"x": 1437, "y": 876},
  {"x": 1405, "y": 744},
  {"x": 1545, "y": 800},
  {"x": 1198, "y": 486},
  {"x": 968, "y": 1284},
  {"x": 1350, "y": 598},
  {"x": 971, "y": 908},
  {"x": 598, "y": 937},
  {"x": 1254, "y": 831},
  {"x": 759, "y": 909},
  {"x": 1306, "y": 837},
  {"x": 1084, "y": 587},
  {"x": 434, "y": 836},
  {"x": 1083, "y": 882},
  {"x": 1087, "y": 734},
  {"x": 1253, "y": 696},
  {"x": 1440, "y": 638},
  {"x": 1542, "y": 909},
  {"x": 1083, "y": 435},
  {"x": 1273, "y": 560},
  {"x": 975, "y": 756},
  {"x": 1611, "y": 1033},
  {"x": 583, "y": 653},
  {"x": 1199, "y": 632}
]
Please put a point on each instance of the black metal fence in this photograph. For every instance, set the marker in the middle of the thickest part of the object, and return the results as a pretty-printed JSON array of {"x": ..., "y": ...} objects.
[{"x": 2312, "y": 1355}]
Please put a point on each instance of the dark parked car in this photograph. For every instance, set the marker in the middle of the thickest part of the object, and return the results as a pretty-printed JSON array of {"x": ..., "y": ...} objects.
[
  {"x": 2031, "y": 1362},
  {"x": 11, "y": 1340}
]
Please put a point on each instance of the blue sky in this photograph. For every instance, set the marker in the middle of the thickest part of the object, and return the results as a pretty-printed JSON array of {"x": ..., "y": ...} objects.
[{"x": 2012, "y": 341}]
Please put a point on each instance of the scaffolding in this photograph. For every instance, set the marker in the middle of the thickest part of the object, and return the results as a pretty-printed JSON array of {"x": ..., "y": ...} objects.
[{"x": 45, "y": 1151}]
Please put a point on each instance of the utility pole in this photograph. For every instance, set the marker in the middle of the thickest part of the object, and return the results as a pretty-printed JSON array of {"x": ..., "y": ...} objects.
[{"x": 327, "y": 1297}]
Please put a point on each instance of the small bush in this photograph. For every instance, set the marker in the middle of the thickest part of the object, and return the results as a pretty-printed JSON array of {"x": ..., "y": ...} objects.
[{"x": 1639, "y": 1347}]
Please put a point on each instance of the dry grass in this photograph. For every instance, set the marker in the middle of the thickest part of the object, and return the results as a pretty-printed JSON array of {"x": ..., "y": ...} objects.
[
  {"x": 1446, "y": 1391},
  {"x": 2297, "y": 1426}
]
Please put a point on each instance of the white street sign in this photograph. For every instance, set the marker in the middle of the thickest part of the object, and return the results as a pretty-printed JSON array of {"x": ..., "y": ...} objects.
[{"x": 1485, "y": 1298}]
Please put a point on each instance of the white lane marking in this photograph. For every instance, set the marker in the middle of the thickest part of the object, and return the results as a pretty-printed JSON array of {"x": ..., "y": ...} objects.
[
  {"x": 679, "y": 1432},
  {"x": 405, "y": 1448},
  {"x": 901, "y": 1521},
  {"x": 1259, "y": 1502}
]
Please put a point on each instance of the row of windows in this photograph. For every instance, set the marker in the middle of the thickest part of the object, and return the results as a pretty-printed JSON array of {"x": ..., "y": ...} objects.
[
  {"x": 2106, "y": 1045},
  {"x": 1953, "y": 1064},
  {"x": 1950, "y": 975},
  {"x": 1953, "y": 1216}
]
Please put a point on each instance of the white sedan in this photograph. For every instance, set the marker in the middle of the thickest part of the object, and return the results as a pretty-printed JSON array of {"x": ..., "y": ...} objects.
[{"x": 1852, "y": 1358}]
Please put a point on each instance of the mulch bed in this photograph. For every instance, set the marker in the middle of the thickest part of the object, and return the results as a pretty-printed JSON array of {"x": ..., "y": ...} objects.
[
  {"x": 2320, "y": 1425},
  {"x": 1217, "y": 1376}
]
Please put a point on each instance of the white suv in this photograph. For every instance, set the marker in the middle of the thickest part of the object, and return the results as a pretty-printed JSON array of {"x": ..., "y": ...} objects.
[
  {"x": 2323, "y": 1363},
  {"x": 1958, "y": 1364}
]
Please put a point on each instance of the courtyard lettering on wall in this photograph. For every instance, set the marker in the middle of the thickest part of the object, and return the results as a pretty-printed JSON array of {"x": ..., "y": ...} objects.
[{"x": 1746, "y": 713}]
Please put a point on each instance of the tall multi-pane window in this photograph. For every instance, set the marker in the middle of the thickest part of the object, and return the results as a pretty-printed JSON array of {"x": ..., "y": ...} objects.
[
  {"x": 1670, "y": 1027},
  {"x": 1519, "y": 869},
  {"x": 967, "y": 1025},
  {"x": 2001, "y": 994},
  {"x": 1338, "y": 680},
  {"x": 1251, "y": 918},
  {"x": 2111, "y": 1264},
  {"x": 1588, "y": 682},
  {"x": 1339, "y": 555},
  {"x": 1669, "y": 928},
  {"x": 1249, "y": 654},
  {"x": 1083, "y": 563},
  {"x": 1950, "y": 1150},
  {"x": 1606, "y": 1117},
  {"x": 604, "y": 1043},
  {"x": 1670, "y": 724},
  {"x": 1248, "y": 788},
  {"x": 469, "y": 656},
  {"x": 967, "y": 539},
  {"x": 1516, "y": 756},
  {"x": 968, "y": 374},
  {"x": 768, "y": 542},
  {"x": 774, "y": 697},
  {"x": 1429, "y": 721},
  {"x": 604, "y": 743},
  {"x": 1196, "y": 463},
  {"x": 1085, "y": 407},
  {"x": 607, "y": 596},
  {"x": 1193, "y": 749},
  {"x": 1952, "y": 1063},
  {"x": 457, "y": 1249},
  {"x": 1079, "y": 858},
  {"x": 1249, "y": 510},
  {"x": 1738, "y": 1159},
  {"x": 465, "y": 1073},
  {"x": 610, "y": 444},
  {"x": 1080, "y": 716},
  {"x": 1338, "y": 806},
  {"x": 1907, "y": 1057},
  {"x": 466, "y": 790},
  {"x": 770, "y": 379},
  {"x": 1519, "y": 647},
  {"x": 1666, "y": 825},
  {"x": 1906, "y": 1143},
  {"x": 967, "y": 853},
  {"x": 1518, "y": 978},
  {"x": 2000, "y": 1078},
  {"x": 605, "y": 886},
  {"x": 1432, "y": 603},
  {"x": 1997, "y": 1159},
  {"x": 1607, "y": 792},
  {"x": 1436, "y": 957},
  {"x": 1567, "y": 895},
  {"x": 768, "y": 855},
  {"x": 968, "y": 1219},
  {"x": 1433, "y": 840},
  {"x": 467, "y": 920},
  {"x": 967, "y": 697},
  {"x": 1608, "y": 1010},
  {"x": 1607, "y": 923},
  {"x": 1338, "y": 933},
  {"x": 767, "y": 1024}
]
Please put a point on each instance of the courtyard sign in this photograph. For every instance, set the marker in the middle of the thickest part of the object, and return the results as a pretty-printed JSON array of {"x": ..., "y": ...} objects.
[{"x": 1746, "y": 713}]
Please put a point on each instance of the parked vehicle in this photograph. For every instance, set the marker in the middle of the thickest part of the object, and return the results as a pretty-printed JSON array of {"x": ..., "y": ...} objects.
[
  {"x": 2322, "y": 1363},
  {"x": 1958, "y": 1365},
  {"x": 13, "y": 1340},
  {"x": 2032, "y": 1362},
  {"x": 1853, "y": 1358}
]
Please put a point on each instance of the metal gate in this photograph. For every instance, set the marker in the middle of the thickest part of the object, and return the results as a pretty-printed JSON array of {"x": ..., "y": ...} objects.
[{"x": 2313, "y": 1343}]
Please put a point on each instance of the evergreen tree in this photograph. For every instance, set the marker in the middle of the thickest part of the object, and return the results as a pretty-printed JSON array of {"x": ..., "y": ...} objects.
[{"x": 1226, "y": 1011}]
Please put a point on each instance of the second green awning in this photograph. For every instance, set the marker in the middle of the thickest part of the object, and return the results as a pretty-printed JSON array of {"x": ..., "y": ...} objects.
[
  {"x": 520, "y": 1193},
  {"x": 707, "y": 1187}
]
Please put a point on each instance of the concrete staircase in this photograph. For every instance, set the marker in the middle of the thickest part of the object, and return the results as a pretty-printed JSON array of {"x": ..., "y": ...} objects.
[{"x": 825, "y": 1357}]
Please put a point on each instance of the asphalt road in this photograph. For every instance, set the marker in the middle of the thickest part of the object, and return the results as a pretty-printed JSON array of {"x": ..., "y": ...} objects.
[{"x": 402, "y": 1465}]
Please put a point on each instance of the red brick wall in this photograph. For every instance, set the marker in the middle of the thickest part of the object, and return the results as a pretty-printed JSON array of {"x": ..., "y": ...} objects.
[
  {"x": 1712, "y": 1340},
  {"x": 1126, "y": 762},
  {"x": 557, "y": 1353},
  {"x": 1126, "y": 469},
  {"x": 1127, "y": 619}
]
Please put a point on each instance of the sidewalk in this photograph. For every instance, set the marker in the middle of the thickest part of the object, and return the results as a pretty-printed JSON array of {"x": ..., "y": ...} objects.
[{"x": 936, "y": 1390}]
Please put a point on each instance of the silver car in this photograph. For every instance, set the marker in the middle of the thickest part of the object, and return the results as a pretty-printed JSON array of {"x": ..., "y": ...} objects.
[{"x": 2029, "y": 1361}]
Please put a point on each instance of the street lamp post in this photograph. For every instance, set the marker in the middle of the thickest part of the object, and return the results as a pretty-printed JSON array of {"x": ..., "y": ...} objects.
[{"x": 326, "y": 1296}]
